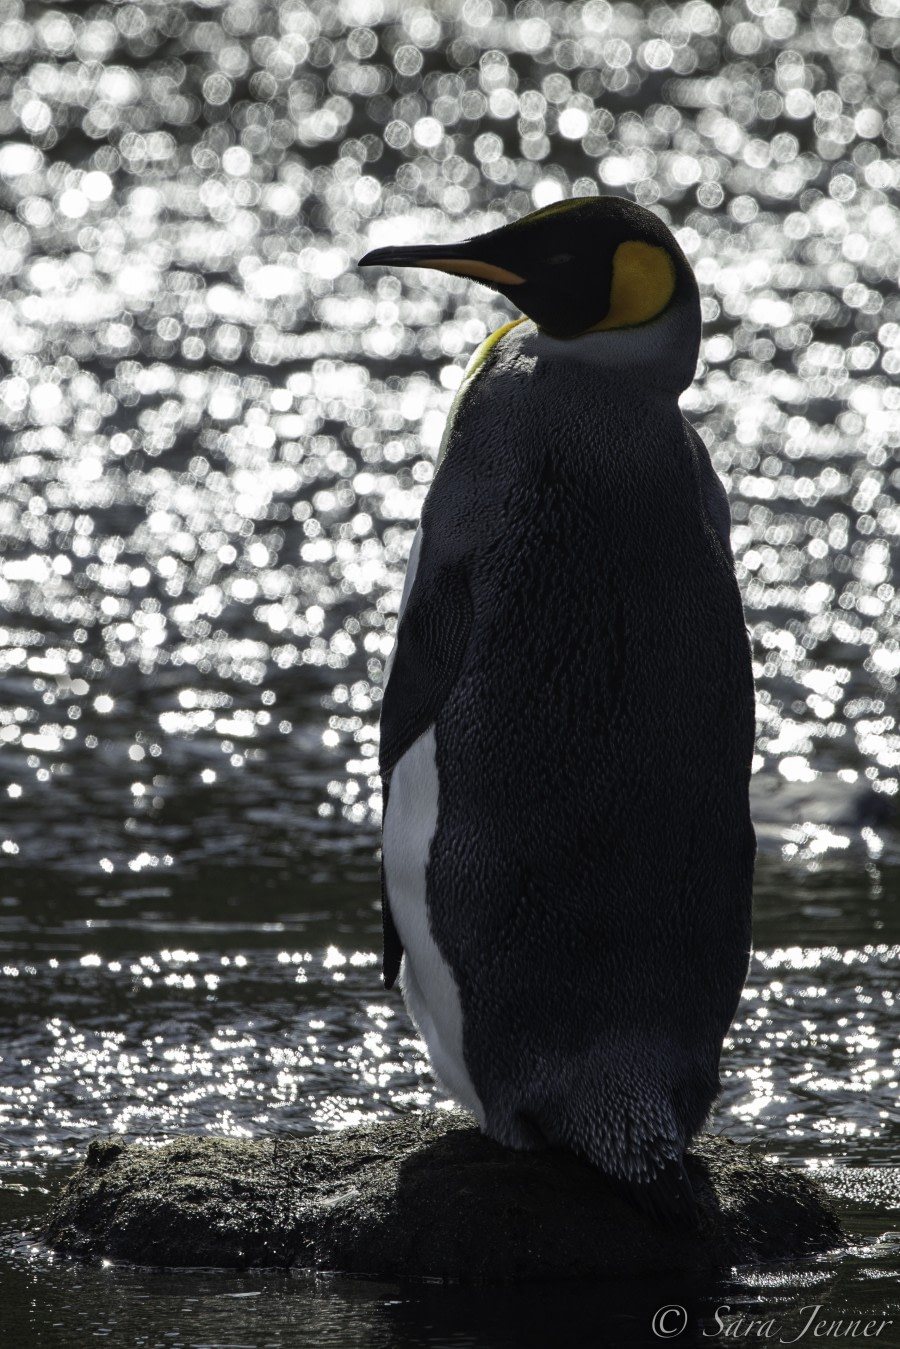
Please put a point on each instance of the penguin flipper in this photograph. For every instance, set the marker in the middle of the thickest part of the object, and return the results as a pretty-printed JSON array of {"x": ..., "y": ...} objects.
[
  {"x": 392, "y": 946},
  {"x": 431, "y": 642}
]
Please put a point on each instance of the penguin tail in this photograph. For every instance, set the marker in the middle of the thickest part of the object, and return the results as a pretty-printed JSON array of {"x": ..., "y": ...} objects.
[{"x": 668, "y": 1198}]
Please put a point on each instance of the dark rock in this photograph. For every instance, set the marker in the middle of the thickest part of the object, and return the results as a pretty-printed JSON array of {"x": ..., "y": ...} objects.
[
  {"x": 421, "y": 1195},
  {"x": 103, "y": 1151}
]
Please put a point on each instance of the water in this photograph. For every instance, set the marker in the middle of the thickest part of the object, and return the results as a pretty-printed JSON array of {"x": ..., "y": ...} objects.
[{"x": 218, "y": 438}]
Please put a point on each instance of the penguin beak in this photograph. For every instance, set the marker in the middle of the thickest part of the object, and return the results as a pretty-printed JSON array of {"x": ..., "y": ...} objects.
[{"x": 443, "y": 258}]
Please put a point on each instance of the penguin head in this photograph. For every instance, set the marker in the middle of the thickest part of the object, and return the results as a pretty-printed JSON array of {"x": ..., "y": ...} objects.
[{"x": 589, "y": 265}]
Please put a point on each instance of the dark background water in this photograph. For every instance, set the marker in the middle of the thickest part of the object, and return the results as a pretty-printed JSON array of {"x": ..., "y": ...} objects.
[{"x": 217, "y": 439}]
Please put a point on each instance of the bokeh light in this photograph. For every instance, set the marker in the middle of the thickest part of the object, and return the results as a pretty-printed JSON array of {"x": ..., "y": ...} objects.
[
  {"x": 218, "y": 437},
  {"x": 221, "y": 435}
]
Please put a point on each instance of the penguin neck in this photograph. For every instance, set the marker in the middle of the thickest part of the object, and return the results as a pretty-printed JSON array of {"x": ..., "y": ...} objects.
[{"x": 658, "y": 357}]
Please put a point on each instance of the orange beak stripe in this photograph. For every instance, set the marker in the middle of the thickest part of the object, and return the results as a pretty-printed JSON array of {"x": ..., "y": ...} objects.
[{"x": 479, "y": 271}]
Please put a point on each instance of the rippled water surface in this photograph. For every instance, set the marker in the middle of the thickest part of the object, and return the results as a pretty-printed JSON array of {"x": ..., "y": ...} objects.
[{"x": 217, "y": 439}]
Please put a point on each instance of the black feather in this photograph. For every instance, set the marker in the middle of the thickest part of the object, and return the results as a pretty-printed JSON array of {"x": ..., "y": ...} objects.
[{"x": 431, "y": 643}]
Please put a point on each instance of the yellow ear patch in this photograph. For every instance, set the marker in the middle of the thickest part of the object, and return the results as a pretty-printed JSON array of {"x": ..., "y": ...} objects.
[{"x": 643, "y": 280}]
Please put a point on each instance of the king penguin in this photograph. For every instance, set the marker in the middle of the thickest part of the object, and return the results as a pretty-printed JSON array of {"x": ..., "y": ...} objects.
[{"x": 567, "y": 723}]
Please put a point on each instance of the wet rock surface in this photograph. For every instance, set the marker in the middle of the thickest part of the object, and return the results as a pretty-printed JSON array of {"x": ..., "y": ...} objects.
[{"x": 424, "y": 1195}]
